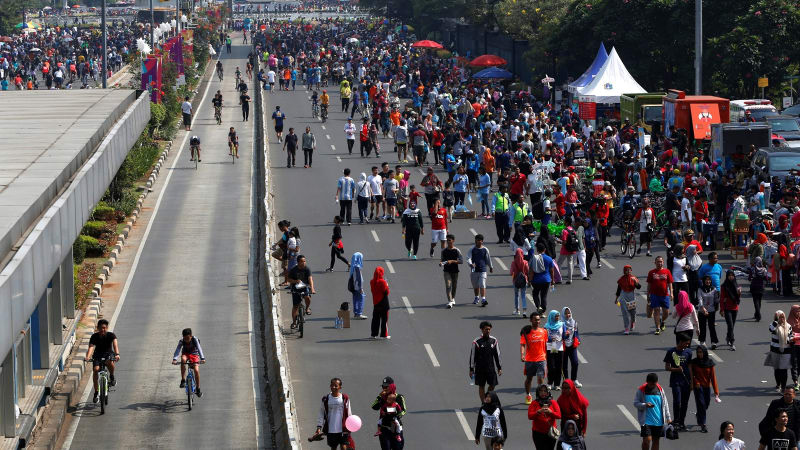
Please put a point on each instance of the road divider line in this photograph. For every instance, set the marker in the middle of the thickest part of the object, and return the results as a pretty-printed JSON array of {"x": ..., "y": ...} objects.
[
  {"x": 472, "y": 230},
  {"x": 630, "y": 417},
  {"x": 581, "y": 359},
  {"x": 421, "y": 172},
  {"x": 711, "y": 354},
  {"x": 338, "y": 159},
  {"x": 607, "y": 263},
  {"x": 328, "y": 136},
  {"x": 408, "y": 305},
  {"x": 389, "y": 266},
  {"x": 375, "y": 236},
  {"x": 429, "y": 349},
  {"x": 333, "y": 147},
  {"x": 465, "y": 425},
  {"x": 323, "y": 126},
  {"x": 500, "y": 263}
]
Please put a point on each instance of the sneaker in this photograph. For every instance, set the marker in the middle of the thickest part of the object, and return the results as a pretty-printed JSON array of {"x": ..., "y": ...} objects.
[
  {"x": 112, "y": 381},
  {"x": 414, "y": 257},
  {"x": 633, "y": 325},
  {"x": 733, "y": 348},
  {"x": 476, "y": 301},
  {"x": 703, "y": 429},
  {"x": 524, "y": 313},
  {"x": 663, "y": 327},
  {"x": 598, "y": 265},
  {"x": 431, "y": 253},
  {"x": 388, "y": 337},
  {"x": 557, "y": 387},
  {"x": 578, "y": 384},
  {"x": 639, "y": 251},
  {"x": 569, "y": 281},
  {"x": 484, "y": 303},
  {"x": 449, "y": 306},
  {"x": 363, "y": 317},
  {"x": 649, "y": 254},
  {"x": 585, "y": 278},
  {"x": 713, "y": 346},
  {"x": 198, "y": 393},
  {"x": 627, "y": 331},
  {"x": 183, "y": 384},
  {"x": 515, "y": 313},
  {"x": 658, "y": 331},
  {"x": 409, "y": 255},
  {"x": 95, "y": 397},
  {"x": 528, "y": 399}
]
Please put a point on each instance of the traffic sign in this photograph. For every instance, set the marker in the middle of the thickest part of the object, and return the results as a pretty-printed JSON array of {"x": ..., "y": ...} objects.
[{"x": 763, "y": 82}]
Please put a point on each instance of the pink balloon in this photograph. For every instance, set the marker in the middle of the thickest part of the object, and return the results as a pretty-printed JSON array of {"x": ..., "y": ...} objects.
[{"x": 353, "y": 423}]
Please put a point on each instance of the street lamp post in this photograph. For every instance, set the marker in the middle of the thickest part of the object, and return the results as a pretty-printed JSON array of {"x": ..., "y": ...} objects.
[
  {"x": 698, "y": 47},
  {"x": 152, "y": 27},
  {"x": 105, "y": 45}
]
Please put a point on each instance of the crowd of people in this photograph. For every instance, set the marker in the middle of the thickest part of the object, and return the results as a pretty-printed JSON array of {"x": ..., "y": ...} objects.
[{"x": 555, "y": 188}]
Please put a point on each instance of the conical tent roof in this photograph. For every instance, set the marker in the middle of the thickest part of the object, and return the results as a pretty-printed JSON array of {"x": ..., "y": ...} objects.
[
  {"x": 588, "y": 76},
  {"x": 611, "y": 81}
]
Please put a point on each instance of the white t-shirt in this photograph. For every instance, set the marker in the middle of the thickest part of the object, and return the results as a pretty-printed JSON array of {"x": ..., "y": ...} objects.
[
  {"x": 335, "y": 413},
  {"x": 686, "y": 210},
  {"x": 186, "y": 107},
  {"x": 678, "y": 274},
  {"x": 534, "y": 184},
  {"x": 647, "y": 218},
  {"x": 375, "y": 181},
  {"x": 735, "y": 444},
  {"x": 350, "y": 131},
  {"x": 271, "y": 76}
]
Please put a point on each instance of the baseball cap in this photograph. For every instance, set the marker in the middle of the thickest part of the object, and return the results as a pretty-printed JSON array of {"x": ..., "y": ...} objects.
[{"x": 387, "y": 381}]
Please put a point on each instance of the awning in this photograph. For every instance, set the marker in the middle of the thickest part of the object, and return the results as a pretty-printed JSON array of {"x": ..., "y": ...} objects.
[{"x": 703, "y": 115}]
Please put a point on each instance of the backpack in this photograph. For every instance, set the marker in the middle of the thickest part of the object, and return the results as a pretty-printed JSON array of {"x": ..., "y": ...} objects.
[
  {"x": 351, "y": 285},
  {"x": 520, "y": 281},
  {"x": 571, "y": 243}
]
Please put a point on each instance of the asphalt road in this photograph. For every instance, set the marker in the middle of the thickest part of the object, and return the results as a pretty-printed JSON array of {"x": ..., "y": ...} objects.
[
  {"x": 428, "y": 353},
  {"x": 192, "y": 272}
]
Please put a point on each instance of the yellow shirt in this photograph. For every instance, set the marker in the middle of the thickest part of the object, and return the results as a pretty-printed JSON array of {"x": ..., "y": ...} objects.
[{"x": 324, "y": 99}]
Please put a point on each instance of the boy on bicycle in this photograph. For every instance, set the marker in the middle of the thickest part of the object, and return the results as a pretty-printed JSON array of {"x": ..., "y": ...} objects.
[
  {"x": 194, "y": 146},
  {"x": 233, "y": 143},
  {"x": 190, "y": 352},
  {"x": 314, "y": 103}
]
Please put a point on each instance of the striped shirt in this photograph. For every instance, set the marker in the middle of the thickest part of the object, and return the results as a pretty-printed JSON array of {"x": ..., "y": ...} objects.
[
  {"x": 775, "y": 343},
  {"x": 347, "y": 188}
]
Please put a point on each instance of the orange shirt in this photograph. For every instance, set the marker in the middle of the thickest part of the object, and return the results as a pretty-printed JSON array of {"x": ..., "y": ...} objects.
[
  {"x": 395, "y": 117},
  {"x": 287, "y": 74},
  {"x": 535, "y": 343}
]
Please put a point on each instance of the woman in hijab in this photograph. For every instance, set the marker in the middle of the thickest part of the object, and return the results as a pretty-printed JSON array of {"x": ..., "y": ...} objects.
[
  {"x": 491, "y": 421},
  {"x": 783, "y": 224},
  {"x": 626, "y": 297},
  {"x": 693, "y": 263},
  {"x": 412, "y": 228},
  {"x": 357, "y": 286},
  {"x": 543, "y": 412},
  {"x": 756, "y": 249},
  {"x": 572, "y": 340},
  {"x": 704, "y": 379},
  {"x": 555, "y": 348},
  {"x": 687, "y": 318},
  {"x": 364, "y": 190},
  {"x": 729, "y": 297},
  {"x": 519, "y": 277},
  {"x": 573, "y": 406},
  {"x": 794, "y": 322},
  {"x": 780, "y": 349},
  {"x": 380, "y": 305},
  {"x": 783, "y": 265},
  {"x": 547, "y": 239},
  {"x": 570, "y": 438},
  {"x": 707, "y": 306},
  {"x": 758, "y": 279}
]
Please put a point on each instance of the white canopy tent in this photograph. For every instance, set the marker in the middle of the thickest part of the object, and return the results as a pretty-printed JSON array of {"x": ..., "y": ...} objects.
[{"x": 611, "y": 81}]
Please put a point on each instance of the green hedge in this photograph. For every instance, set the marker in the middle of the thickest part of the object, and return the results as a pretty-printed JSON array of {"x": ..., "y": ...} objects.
[
  {"x": 78, "y": 251},
  {"x": 94, "y": 228},
  {"x": 103, "y": 212},
  {"x": 93, "y": 246}
]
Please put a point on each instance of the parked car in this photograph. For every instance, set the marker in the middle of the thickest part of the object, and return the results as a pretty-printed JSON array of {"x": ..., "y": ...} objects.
[
  {"x": 787, "y": 128},
  {"x": 778, "y": 162}
]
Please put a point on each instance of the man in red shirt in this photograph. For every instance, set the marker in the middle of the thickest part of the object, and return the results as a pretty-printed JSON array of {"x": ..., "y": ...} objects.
[
  {"x": 560, "y": 202},
  {"x": 438, "y": 225},
  {"x": 517, "y": 183},
  {"x": 659, "y": 292},
  {"x": 700, "y": 213}
]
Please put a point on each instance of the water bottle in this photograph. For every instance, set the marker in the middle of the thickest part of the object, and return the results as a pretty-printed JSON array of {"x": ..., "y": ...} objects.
[
  {"x": 472, "y": 379},
  {"x": 552, "y": 288},
  {"x": 337, "y": 323}
]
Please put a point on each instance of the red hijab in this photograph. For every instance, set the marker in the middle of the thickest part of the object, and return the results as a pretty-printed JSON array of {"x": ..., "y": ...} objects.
[
  {"x": 574, "y": 403},
  {"x": 379, "y": 286}
]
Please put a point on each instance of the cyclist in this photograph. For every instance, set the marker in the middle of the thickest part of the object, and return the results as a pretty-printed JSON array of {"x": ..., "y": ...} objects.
[
  {"x": 190, "y": 352},
  {"x": 233, "y": 143},
  {"x": 217, "y": 102},
  {"x": 238, "y": 73},
  {"x": 628, "y": 206},
  {"x": 324, "y": 100},
  {"x": 219, "y": 70},
  {"x": 194, "y": 146},
  {"x": 302, "y": 285},
  {"x": 314, "y": 103},
  {"x": 102, "y": 344}
]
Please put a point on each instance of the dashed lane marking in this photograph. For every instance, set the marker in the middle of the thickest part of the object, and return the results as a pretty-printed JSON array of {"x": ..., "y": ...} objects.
[
  {"x": 408, "y": 305},
  {"x": 465, "y": 425},
  {"x": 472, "y": 230},
  {"x": 375, "y": 236},
  {"x": 333, "y": 147},
  {"x": 500, "y": 263},
  {"x": 328, "y": 136},
  {"x": 630, "y": 417},
  {"x": 389, "y": 266},
  {"x": 431, "y": 355},
  {"x": 604, "y": 261},
  {"x": 338, "y": 159}
]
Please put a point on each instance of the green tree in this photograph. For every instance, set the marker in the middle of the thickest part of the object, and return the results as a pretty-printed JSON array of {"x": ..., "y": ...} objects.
[{"x": 10, "y": 15}]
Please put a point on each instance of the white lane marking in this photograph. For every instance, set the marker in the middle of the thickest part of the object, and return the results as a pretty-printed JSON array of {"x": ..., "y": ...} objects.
[
  {"x": 420, "y": 171},
  {"x": 85, "y": 396},
  {"x": 328, "y": 136},
  {"x": 375, "y": 236},
  {"x": 338, "y": 159},
  {"x": 465, "y": 425},
  {"x": 333, "y": 147},
  {"x": 408, "y": 305},
  {"x": 472, "y": 230},
  {"x": 500, "y": 263},
  {"x": 429, "y": 349},
  {"x": 630, "y": 417},
  {"x": 604, "y": 261},
  {"x": 711, "y": 354},
  {"x": 389, "y": 265},
  {"x": 581, "y": 359},
  {"x": 323, "y": 126}
]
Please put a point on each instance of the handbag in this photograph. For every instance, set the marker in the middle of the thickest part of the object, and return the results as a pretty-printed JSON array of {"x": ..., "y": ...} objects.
[
  {"x": 553, "y": 432},
  {"x": 671, "y": 433},
  {"x": 630, "y": 305},
  {"x": 576, "y": 342}
]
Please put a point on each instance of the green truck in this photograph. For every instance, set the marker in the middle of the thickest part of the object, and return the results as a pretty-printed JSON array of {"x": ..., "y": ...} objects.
[{"x": 644, "y": 107}]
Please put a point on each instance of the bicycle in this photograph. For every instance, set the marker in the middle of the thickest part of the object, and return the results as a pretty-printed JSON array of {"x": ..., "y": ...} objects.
[
  {"x": 218, "y": 114},
  {"x": 314, "y": 110},
  {"x": 191, "y": 385},
  {"x": 303, "y": 291},
  {"x": 219, "y": 74},
  {"x": 103, "y": 381},
  {"x": 195, "y": 155},
  {"x": 233, "y": 149},
  {"x": 627, "y": 243},
  {"x": 324, "y": 113}
]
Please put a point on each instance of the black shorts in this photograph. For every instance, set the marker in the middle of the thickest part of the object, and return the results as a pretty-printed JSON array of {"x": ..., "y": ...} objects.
[
  {"x": 187, "y": 119},
  {"x": 484, "y": 377},
  {"x": 336, "y": 439},
  {"x": 376, "y": 199},
  {"x": 645, "y": 237},
  {"x": 297, "y": 299},
  {"x": 472, "y": 176},
  {"x": 279, "y": 128},
  {"x": 652, "y": 430},
  {"x": 96, "y": 357}
]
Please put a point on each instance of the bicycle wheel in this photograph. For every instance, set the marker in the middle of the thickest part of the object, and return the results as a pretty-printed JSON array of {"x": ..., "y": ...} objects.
[
  {"x": 623, "y": 242},
  {"x": 103, "y": 395},
  {"x": 632, "y": 246},
  {"x": 300, "y": 321},
  {"x": 234, "y": 152},
  {"x": 190, "y": 390}
]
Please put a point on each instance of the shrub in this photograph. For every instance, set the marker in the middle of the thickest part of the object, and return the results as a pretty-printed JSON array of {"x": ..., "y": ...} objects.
[
  {"x": 94, "y": 228},
  {"x": 78, "y": 250},
  {"x": 93, "y": 246},
  {"x": 103, "y": 212},
  {"x": 157, "y": 114},
  {"x": 126, "y": 202}
]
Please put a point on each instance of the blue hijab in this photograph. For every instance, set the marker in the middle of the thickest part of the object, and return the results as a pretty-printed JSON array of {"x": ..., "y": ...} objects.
[
  {"x": 553, "y": 324},
  {"x": 356, "y": 261}
]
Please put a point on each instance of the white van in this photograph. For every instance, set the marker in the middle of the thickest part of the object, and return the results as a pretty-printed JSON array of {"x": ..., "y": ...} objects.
[{"x": 759, "y": 109}]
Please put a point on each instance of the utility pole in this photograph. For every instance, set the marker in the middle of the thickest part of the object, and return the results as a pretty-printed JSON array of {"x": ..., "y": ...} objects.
[
  {"x": 105, "y": 44},
  {"x": 152, "y": 27},
  {"x": 698, "y": 47}
]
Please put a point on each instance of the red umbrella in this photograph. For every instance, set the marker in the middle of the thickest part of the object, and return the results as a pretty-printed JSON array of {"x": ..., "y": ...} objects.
[
  {"x": 426, "y": 44},
  {"x": 488, "y": 60}
]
